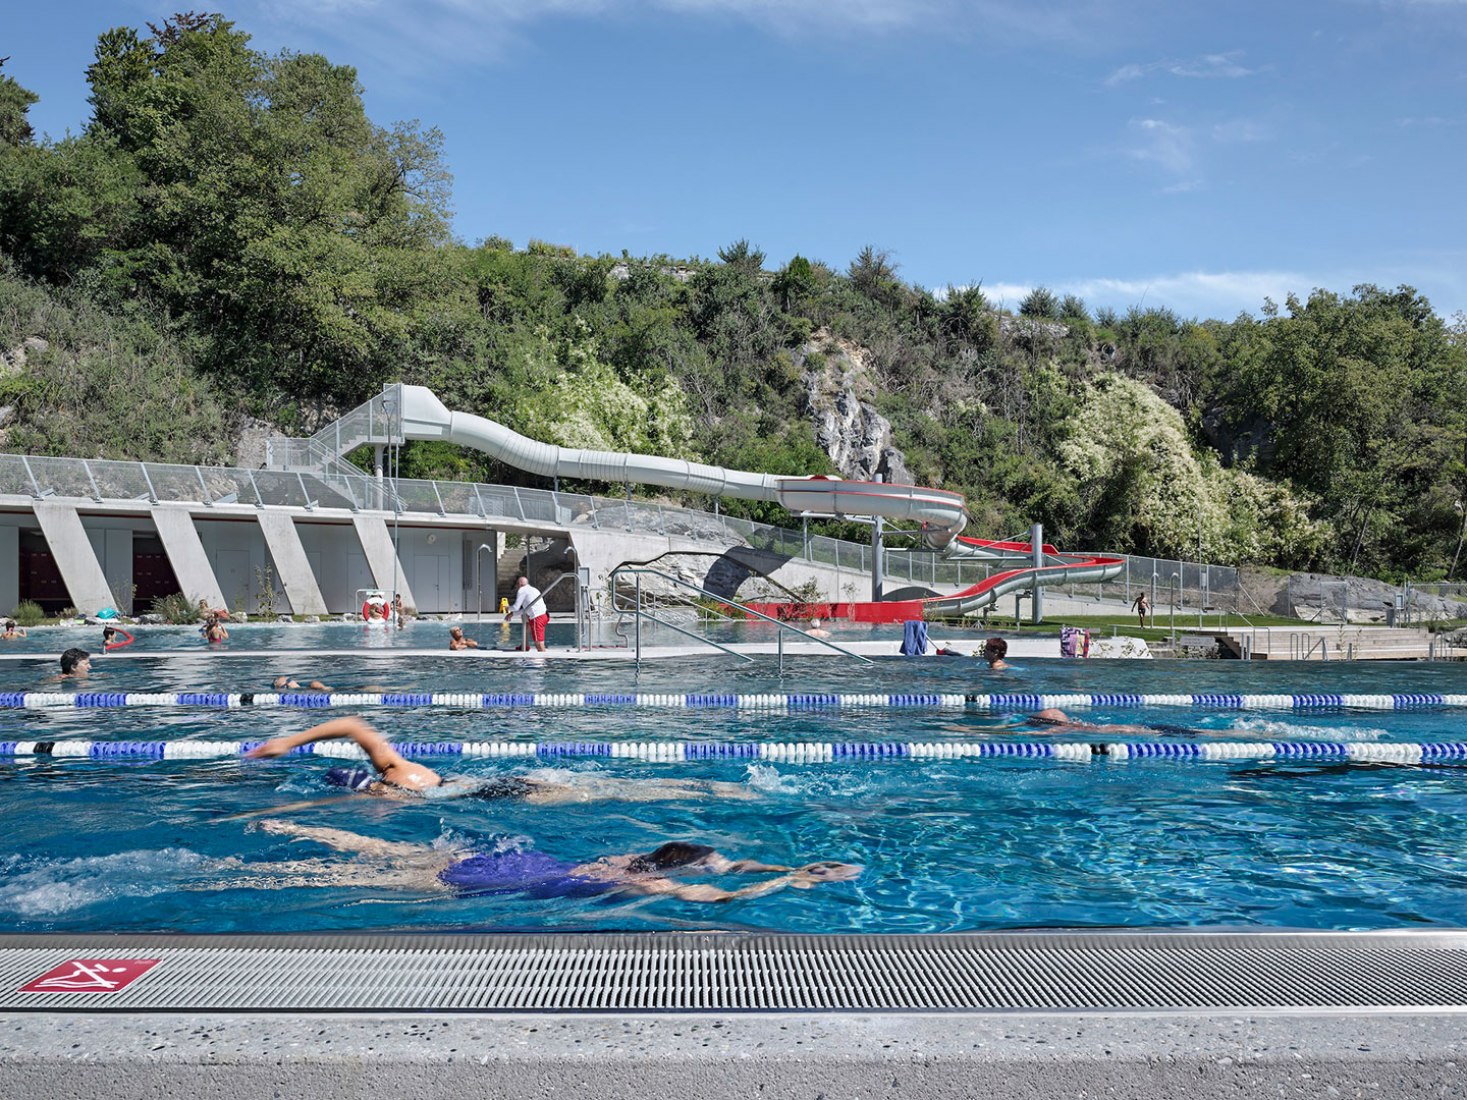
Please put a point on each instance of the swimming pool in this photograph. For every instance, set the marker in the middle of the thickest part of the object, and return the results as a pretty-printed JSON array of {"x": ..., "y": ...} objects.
[{"x": 132, "y": 844}]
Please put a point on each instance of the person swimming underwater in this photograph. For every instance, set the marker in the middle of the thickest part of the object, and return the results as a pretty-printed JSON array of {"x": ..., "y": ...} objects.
[
  {"x": 1054, "y": 720},
  {"x": 397, "y": 776},
  {"x": 404, "y": 865}
]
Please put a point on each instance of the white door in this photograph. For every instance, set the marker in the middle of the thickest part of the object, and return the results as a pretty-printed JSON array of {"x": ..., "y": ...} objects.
[
  {"x": 232, "y": 568},
  {"x": 430, "y": 583}
]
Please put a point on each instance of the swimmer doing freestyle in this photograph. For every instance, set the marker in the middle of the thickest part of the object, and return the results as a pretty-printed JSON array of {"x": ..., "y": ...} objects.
[
  {"x": 396, "y": 776},
  {"x": 396, "y": 864}
]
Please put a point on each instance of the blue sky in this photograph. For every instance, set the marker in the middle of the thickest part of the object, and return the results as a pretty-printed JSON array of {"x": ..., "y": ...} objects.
[{"x": 1194, "y": 155}]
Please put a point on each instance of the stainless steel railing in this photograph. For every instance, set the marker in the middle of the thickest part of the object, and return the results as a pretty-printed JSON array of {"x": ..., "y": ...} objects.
[{"x": 638, "y": 607}]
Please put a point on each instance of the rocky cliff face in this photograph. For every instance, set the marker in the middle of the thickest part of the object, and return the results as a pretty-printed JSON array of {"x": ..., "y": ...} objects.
[{"x": 857, "y": 437}]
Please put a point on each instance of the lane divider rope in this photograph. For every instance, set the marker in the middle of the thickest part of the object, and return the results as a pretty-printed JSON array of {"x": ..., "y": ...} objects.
[
  {"x": 794, "y": 702},
  {"x": 802, "y": 752}
]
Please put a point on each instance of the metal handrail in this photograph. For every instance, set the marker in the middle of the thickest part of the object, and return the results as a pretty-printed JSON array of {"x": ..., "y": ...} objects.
[{"x": 640, "y": 571}]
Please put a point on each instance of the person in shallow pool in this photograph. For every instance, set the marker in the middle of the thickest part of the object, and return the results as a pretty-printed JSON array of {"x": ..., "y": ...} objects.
[
  {"x": 994, "y": 652},
  {"x": 290, "y": 683},
  {"x": 386, "y": 863},
  {"x": 76, "y": 663},
  {"x": 396, "y": 775},
  {"x": 456, "y": 639},
  {"x": 115, "y": 638}
]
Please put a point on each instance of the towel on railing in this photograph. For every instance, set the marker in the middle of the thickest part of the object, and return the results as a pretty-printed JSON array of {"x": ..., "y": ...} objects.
[
  {"x": 914, "y": 638},
  {"x": 1074, "y": 642}
]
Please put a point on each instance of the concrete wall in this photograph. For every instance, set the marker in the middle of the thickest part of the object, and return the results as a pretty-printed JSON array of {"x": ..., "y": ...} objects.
[
  {"x": 9, "y": 566},
  {"x": 71, "y": 548},
  {"x": 237, "y": 553},
  {"x": 292, "y": 566},
  {"x": 436, "y": 567},
  {"x": 336, "y": 558}
]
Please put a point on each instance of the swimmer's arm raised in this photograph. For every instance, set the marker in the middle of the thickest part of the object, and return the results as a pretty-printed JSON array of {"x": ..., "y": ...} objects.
[{"x": 382, "y": 755}]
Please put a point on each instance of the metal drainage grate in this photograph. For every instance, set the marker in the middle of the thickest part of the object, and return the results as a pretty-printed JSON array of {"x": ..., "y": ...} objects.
[{"x": 732, "y": 972}]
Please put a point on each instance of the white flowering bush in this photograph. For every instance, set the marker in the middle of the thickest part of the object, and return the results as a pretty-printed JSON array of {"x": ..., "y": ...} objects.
[
  {"x": 583, "y": 402},
  {"x": 1129, "y": 451}
]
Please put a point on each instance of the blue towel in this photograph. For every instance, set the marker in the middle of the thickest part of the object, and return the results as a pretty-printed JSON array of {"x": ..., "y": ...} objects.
[{"x": 914, "y": 638}]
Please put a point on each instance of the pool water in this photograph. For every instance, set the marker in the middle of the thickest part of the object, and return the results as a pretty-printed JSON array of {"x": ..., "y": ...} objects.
[{"x": 947, "y": 845}]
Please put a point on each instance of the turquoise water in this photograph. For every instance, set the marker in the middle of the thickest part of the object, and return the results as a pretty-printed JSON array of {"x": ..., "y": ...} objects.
[{"x": 946, "y": 844}]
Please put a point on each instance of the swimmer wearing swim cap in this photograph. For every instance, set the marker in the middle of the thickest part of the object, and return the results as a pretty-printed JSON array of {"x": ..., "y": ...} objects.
[
  {"x": 385, "y": 863},
  {"x": 394, "y": 775}
]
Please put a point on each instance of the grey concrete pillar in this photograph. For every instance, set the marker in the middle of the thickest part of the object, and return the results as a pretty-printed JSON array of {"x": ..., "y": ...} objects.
[
  {"x": 186, "y": 554},
  {"x": 86, "y": 584},
  {"x": 9, "y": 567},
  {"x": 292, "y": 564},
  {"x": 387, "y": 571}
]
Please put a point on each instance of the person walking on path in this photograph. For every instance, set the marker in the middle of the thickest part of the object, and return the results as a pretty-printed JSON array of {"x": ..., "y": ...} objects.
[
  {"x": 530, "y": 604},
  {"x": 1142, "y": 606}
]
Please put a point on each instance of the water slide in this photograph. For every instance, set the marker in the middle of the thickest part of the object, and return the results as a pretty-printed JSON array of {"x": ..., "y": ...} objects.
[
  {"x": 403, "y": 412},
  {"x": 1022, "y": 576},
  {"x": 941, "y": 514}
]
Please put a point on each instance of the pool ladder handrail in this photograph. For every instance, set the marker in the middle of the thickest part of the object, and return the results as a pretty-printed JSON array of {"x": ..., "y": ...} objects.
[{"x": 641, "y": 613}]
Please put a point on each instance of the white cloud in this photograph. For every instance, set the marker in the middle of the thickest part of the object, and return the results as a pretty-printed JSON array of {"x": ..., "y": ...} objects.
[
  {"x": 1212, "y": 66},
  {"x": 1220, "y": 295},
  {"x": 410, "y": 34},
  {"x": 1164, "y": 144},
  {"x": 1240, "y": 130},
  {"x": 1428, "y": 122},
  {"x": 1223, "y": 295},
  {"x": 473, "y": 19}
]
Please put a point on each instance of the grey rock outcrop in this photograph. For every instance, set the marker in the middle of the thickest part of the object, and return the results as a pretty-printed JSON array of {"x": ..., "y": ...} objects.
[
  {"x": 13, "y": 361},
  {"x": 1237, "y": 442},
  {"x": 857, "y": 438},
  {"x": 1326, "y": 598}
]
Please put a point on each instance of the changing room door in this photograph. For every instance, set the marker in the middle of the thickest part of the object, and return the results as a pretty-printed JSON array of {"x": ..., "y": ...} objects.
[{"x": 430, "y": 583}]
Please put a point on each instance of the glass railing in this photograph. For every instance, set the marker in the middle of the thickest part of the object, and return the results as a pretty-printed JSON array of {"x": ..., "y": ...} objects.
[{"x": 346, "y": 487}]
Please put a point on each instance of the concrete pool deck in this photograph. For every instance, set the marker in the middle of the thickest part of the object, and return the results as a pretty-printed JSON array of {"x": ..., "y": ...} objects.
[
  {"x": 1236, "y": 1014},
  {"x": 1019, "y": 649},
  {"x": 692, "y": 1057}
]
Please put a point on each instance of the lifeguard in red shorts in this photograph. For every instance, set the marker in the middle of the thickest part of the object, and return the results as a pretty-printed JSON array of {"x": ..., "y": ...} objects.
[{"x": 529, "y": 603}]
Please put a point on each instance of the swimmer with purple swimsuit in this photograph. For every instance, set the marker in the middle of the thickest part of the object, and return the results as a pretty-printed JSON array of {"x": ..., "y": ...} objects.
[
  {"x": 396, "y": 864},
  {"x": 396, "y": 776}
]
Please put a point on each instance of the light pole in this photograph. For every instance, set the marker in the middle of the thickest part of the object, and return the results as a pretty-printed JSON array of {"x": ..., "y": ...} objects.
[
  {"x": 1176, "y": 593},
  {"x": 1461, "y": 533}
]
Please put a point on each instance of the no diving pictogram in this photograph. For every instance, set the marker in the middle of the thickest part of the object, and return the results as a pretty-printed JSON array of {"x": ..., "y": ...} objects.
[{"x": 90, "y": 976}]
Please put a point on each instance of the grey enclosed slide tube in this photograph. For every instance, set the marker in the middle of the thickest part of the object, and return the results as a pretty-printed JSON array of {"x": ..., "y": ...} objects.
[{"x": 942, "y": 514}]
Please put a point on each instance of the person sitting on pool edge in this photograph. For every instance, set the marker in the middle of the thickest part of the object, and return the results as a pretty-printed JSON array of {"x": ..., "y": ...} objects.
[
  {"x": 396, "y": 775},
  {"x": 456, "y": 639},
  {"x": 994, "y": 652},
  {"x": 386, "y": 863}
]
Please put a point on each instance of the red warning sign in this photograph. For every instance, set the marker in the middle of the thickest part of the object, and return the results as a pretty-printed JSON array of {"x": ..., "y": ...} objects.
[{"x": 90, "y": 976}]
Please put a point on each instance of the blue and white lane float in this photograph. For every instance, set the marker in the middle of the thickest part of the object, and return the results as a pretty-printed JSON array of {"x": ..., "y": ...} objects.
[
  {"x": 791, "y": 702},
  {"x": 800, "y": 752}
]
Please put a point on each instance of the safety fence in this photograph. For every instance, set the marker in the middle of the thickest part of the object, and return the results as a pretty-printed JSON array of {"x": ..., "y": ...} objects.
[{"x": 339, "y": 485}]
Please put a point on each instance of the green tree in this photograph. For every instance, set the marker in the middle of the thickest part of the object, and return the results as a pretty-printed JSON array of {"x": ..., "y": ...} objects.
[{"x": 15, "y": 105}]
